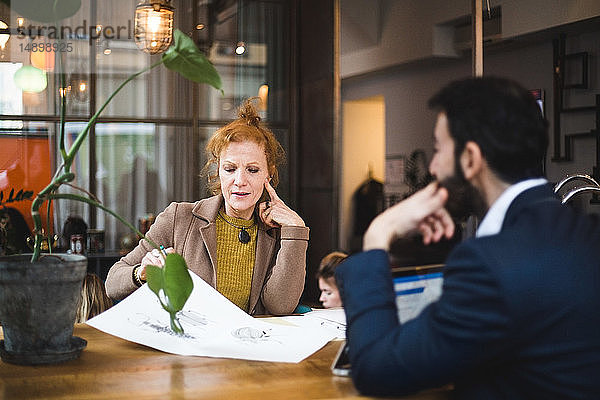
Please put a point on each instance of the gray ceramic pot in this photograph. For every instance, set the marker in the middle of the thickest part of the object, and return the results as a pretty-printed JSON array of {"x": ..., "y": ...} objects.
[{"x": 38, "y": 304}]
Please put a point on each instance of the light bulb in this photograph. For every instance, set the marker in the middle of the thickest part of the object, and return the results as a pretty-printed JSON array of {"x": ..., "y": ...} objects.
[
  {"x": 154, "y": 20},
  {"x": 240, "y": 48}
]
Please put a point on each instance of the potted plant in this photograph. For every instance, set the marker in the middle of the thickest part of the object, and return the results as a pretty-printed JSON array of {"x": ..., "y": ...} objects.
[{"x": 39, "y": 291}]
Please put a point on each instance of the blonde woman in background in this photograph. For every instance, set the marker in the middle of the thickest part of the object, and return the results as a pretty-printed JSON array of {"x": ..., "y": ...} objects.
[{"x": 93, "y": 299}]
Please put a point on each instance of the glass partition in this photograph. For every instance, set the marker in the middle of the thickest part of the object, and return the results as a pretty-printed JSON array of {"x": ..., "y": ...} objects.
[{"x": 140, "y": 170}]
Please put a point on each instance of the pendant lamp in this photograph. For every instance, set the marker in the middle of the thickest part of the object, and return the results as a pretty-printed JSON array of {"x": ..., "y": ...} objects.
[
  {"x": 3, "y": 36},
  {"x": 30, "y": 79},
  {"x": 154, "y": 25}
]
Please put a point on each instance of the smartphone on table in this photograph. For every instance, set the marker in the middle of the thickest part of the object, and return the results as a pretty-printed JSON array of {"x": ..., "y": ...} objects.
[{"x": 341, "y": 362}]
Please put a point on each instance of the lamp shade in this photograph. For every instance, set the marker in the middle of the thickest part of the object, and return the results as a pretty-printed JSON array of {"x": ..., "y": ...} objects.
[
  {"x": 43, "y": 60},
  {"x": 3, "y": 36},
  {"x": 153, "y": 25},
  {"x": 30, "y": 79}
]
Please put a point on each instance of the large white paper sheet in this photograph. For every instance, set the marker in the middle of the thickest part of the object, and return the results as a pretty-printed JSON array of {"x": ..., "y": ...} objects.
[
  {"x": 330, "y": 319},
  {"x": 214, "y": 327}
]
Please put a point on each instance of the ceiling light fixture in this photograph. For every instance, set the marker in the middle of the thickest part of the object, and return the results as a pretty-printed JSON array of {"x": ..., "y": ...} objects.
[
  {"x": 154, "y": 25},
  {"x": 105, "y": 48},
  {"x": 4, "y": 36},
  {"x": 240, "y": 48}
]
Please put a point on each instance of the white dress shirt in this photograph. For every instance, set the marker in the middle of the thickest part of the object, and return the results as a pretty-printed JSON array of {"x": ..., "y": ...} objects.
[{"x": 492, "y": 222}]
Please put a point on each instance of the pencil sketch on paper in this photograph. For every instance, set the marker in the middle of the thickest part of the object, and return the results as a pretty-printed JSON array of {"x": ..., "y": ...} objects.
[
  {"x": 194, "y": 319},
  {"x": 194, "y": 323},
  {"x": 248, "y": 334},
  {"x": 147, "y": 323}
]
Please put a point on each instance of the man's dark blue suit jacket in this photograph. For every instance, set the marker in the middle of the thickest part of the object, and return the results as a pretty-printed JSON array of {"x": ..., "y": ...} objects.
[{"x": 519, "y": 315}]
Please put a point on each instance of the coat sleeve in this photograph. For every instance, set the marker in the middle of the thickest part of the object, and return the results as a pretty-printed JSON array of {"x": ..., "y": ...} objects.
[
  {"x": 119, "y": 281},
  {"x": 463, "y": 330},
  {"x": 284, "y": 282}
]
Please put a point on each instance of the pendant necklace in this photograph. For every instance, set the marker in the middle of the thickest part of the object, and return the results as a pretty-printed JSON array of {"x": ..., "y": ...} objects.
[{"x": 243, "y": 236}]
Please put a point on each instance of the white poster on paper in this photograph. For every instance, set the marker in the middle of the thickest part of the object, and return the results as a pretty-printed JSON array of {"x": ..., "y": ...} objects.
[{"x": 214, "y": 327}]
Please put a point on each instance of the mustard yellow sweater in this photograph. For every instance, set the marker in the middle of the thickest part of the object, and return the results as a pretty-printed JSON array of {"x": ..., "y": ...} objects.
[{"x": 235, "y": 260}]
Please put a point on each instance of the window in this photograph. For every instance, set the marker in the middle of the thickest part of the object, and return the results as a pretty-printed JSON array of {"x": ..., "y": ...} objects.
[{"x": 146, "y": 149}]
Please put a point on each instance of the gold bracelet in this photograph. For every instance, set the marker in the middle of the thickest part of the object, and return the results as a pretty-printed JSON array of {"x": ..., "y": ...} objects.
[{"x": 136, "y": 278}]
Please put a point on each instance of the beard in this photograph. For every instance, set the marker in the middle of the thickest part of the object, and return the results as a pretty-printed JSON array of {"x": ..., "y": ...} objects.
[{"x": 463, "y": 198}]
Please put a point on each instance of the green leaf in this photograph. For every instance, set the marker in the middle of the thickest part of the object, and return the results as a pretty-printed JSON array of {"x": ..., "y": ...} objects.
[
  {"x": 184, "y": 57},
  {"x": 47, "y": 10},
  {"x": 178, "y": 283},
  {"x": 154, "y": 277}
]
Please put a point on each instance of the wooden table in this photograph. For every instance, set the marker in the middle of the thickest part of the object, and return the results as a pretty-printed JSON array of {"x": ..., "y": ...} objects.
[{"x": 113, "y": 368}]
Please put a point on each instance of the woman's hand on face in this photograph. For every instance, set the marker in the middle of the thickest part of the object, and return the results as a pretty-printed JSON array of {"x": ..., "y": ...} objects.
[
  {"x": 275, "y": 212},
  {"x": 153, "y": 258}
]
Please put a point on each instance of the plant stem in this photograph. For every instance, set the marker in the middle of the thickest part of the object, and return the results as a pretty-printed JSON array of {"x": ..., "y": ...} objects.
[
  {"x": 175, "y": 324},
  {"x": 49, "y": 235},
  {"x": 63, "y": 103},
  {"x": 35, "y": 207}
]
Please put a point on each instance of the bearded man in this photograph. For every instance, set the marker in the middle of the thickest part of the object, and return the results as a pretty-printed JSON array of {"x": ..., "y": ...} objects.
[{"x": 519, "y": 315}]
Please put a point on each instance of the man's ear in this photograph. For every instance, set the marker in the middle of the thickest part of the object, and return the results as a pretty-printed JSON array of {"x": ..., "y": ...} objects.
[{"x": 471, "y": 160}]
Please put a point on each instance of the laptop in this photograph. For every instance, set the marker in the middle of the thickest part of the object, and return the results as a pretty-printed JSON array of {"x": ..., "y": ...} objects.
[{"x": 415, "y": 288}]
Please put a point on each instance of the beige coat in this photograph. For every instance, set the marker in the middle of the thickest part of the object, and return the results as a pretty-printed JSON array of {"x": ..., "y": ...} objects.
[{"x": 279, "y": 270}]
